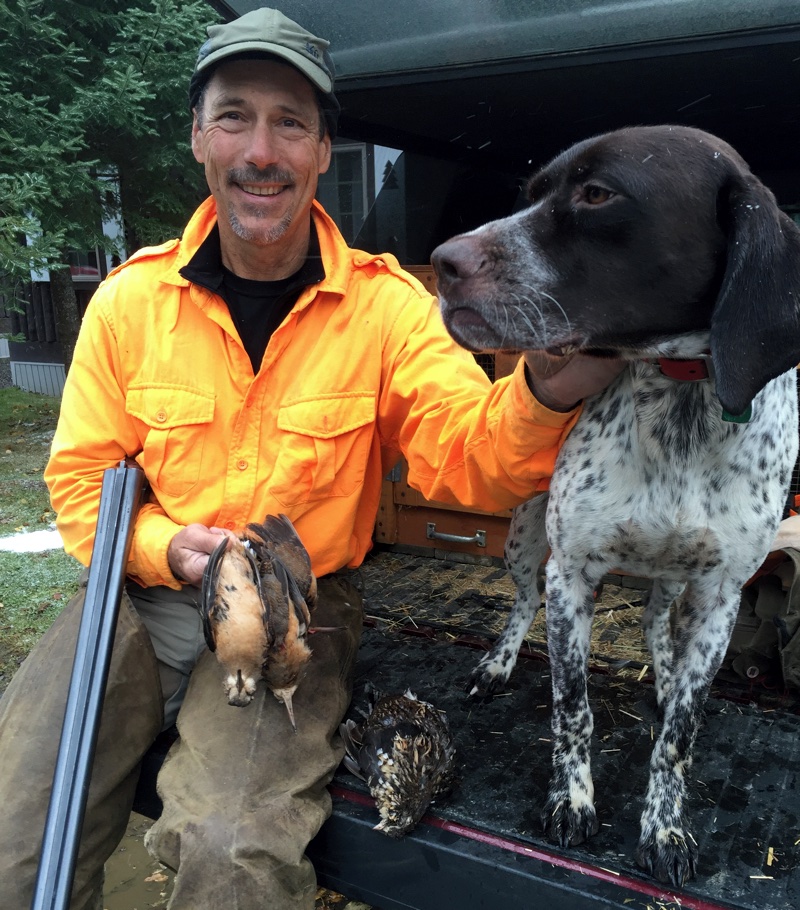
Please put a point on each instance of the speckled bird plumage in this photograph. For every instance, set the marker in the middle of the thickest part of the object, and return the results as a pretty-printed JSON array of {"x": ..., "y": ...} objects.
[
  {"x": 405, "y": 753},
  {"x": 256, "y": 598}
]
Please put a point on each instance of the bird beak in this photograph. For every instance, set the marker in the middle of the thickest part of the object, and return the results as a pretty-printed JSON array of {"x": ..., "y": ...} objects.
[{"x": 285, "y": 695}]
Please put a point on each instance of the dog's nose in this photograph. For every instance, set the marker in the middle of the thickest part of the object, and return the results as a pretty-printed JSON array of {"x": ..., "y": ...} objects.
[{"x": 458, "y": 259}]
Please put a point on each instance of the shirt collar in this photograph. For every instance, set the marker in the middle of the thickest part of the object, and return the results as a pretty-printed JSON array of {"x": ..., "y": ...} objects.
[{"x": 205, "y": 267}]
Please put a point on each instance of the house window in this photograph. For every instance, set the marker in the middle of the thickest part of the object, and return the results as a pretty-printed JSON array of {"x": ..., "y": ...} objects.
[
  {"x": 343, "y": 190},
  {"x": 86, "y": 266}
]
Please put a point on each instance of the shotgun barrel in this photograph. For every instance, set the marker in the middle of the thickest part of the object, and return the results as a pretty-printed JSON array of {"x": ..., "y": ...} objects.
[{"x": 120, "y": 498}]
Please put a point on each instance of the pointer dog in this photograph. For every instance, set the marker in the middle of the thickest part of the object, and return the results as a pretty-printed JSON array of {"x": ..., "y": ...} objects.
[{"x": 657, "y": 245}]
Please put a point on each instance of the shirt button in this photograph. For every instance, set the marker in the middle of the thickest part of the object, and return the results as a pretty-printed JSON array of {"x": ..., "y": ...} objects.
[
  {"x": 229, "y": 525},
  {"x": 161, "y": 416},
  {"x": 242, "y": 465}
]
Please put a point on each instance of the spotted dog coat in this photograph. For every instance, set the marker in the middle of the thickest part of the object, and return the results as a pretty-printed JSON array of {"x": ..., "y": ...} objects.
[{"x": 645, "y": 243}]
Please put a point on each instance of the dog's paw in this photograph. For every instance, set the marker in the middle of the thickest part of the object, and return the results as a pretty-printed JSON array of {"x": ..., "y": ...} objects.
[
  {"x": 669, "y": 856},
  {"x": 568, "y": 825},
  {"x": 487, "y": 679}
]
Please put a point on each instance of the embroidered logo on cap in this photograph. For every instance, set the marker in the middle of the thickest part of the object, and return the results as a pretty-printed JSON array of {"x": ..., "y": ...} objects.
[{"x": 204, "y": 51}]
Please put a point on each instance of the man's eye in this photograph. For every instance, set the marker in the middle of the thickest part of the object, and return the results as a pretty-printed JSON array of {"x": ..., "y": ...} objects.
[{"x": 596, "y": 195}]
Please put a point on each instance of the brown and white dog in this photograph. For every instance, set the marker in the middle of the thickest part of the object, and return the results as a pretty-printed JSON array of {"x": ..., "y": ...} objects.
[{"x": 657, "y": 245}]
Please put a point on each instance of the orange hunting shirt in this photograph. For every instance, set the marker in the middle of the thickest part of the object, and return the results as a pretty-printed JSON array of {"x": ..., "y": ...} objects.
[{"x": 360, "y": 371}]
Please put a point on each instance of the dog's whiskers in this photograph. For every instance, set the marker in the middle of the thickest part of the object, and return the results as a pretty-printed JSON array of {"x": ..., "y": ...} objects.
[{"x": 518, "y": 317}]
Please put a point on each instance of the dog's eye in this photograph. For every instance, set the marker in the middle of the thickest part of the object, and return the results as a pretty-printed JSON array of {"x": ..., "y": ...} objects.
[{"x": 596, "y": 195}]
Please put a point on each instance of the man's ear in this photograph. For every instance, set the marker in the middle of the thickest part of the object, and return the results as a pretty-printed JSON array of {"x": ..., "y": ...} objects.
[
  {"x": 325, "y": 153},
  {"x": 197, "y": 144}
]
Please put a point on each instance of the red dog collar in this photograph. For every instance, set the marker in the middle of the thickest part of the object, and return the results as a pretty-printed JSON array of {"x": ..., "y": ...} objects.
[{"x": 694, "y": 370}]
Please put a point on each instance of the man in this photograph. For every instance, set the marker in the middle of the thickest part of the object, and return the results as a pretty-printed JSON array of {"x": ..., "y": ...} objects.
[{"x": 255, "y": 366}]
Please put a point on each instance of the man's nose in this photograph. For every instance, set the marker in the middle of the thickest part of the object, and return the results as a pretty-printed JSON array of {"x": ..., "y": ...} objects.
[{"x": 261, "y": 149}]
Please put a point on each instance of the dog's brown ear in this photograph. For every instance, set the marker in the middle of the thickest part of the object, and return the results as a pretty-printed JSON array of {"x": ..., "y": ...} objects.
[{"x": 755, "y": 327}]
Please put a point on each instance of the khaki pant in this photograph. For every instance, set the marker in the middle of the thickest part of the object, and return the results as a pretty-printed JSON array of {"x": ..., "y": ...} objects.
[{"x": 243, "y": 795}]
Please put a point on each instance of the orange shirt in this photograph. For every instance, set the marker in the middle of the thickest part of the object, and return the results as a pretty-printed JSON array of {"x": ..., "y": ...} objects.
[{"x": 360, "y": 371}]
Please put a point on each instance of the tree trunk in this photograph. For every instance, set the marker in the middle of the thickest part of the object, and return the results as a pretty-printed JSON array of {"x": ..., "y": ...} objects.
[{"x": 65, "y": 305}]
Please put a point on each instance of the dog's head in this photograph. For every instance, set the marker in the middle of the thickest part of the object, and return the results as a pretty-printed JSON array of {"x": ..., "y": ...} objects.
[{"x": 632, "y": 241}]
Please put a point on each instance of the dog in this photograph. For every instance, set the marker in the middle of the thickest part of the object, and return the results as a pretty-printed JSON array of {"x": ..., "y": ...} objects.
[{"x": 656, "y": 245}]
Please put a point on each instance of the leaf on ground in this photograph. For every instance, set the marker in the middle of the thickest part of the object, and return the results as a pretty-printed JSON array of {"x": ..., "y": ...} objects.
[{"x": 157, "y": 877}]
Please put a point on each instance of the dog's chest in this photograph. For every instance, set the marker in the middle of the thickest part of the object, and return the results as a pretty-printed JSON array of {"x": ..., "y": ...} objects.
[{"x": 653, "y": 479}]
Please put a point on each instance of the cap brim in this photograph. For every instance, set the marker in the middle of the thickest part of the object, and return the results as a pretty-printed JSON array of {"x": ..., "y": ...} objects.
[{"x": 310, "y": 70}]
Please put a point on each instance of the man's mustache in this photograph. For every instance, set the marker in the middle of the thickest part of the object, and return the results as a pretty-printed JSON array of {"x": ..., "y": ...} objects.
[{"x": 269, "y": 174}]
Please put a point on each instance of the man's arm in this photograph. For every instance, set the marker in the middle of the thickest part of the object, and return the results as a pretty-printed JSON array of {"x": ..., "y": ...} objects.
[{"x": 94, "y": 433}]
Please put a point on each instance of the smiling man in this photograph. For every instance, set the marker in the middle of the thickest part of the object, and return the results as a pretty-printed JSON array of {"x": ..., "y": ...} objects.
[
  {"x": 256, "y": 366},
  {"x": 265, "y": 114}
]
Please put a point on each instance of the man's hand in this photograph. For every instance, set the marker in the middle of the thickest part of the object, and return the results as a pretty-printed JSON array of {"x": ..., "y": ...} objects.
[
  {"x": 561, "y": 383},
  {"x": 189, "y": 550},
  {"x": 788, "y": 534}
]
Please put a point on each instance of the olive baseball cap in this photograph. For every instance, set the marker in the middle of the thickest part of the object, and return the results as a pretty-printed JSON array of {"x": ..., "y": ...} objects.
[{"x": 267, "y": 32}]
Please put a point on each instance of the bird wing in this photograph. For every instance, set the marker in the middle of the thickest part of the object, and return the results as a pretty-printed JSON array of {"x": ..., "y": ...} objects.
[
  {"x": 288, "y": 627},
  {"x": 274, "y": 581},
  {"x": 299, "y": 604},
  {"x": 279, "y": 536},
  {"x": 208, "y": 592}
]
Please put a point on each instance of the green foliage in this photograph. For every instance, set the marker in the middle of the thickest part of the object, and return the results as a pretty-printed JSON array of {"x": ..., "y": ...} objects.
[{"x": 92, "y": 88}]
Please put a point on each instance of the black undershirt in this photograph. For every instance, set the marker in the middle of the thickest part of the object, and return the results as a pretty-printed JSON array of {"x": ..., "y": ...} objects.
[{"x": 256, "y": 307}]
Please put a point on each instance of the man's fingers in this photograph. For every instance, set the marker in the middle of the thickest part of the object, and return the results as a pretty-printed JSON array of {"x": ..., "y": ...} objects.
[{"x": 189, "y": 550}]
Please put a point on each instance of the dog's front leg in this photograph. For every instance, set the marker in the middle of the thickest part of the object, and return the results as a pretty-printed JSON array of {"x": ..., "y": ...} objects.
[
  {"x": 525, "y": 550},
  {"x": 704, "y": 620},
  {"x": 569, "y": 815},
  {"x": 658, "y": 634}
]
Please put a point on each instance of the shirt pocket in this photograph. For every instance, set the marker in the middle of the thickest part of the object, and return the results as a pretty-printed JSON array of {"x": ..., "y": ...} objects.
[
  {"x": 324, "y": 448},
  {"x": 178, "y": 421}
]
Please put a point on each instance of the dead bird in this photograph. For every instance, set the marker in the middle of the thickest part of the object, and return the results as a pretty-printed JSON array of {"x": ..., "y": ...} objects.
[
  {"x": 255, "y": 608},
  {"x": 405, "y": 753}
]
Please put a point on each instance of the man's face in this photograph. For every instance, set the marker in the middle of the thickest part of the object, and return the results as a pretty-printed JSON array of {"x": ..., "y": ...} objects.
[{"x": 258, "y": 136}]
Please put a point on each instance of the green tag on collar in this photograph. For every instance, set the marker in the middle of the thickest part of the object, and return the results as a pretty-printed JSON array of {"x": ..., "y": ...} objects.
[{"x": 744, "y": 417}]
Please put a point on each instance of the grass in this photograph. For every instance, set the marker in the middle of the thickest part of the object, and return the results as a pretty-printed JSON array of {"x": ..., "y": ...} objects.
[{"x": 33, "y": 586}]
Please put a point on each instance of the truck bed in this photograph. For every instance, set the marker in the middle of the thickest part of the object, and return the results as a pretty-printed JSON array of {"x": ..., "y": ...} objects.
[
  {"x": 483, "y": 846},
  {"x": 427, "y": 621}
]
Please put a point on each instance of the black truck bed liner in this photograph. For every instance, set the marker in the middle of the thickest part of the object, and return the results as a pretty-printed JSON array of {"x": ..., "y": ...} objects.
[{"x": 483, "y": 847}]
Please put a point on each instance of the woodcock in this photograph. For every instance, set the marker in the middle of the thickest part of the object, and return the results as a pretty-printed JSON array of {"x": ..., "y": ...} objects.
[
  {"x": 404, "y": 752},
  {"x": 256, "y": 598}
]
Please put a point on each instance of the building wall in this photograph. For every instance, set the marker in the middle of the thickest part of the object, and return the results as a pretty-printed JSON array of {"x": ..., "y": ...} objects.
[{"x": 31, "y": 357}]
